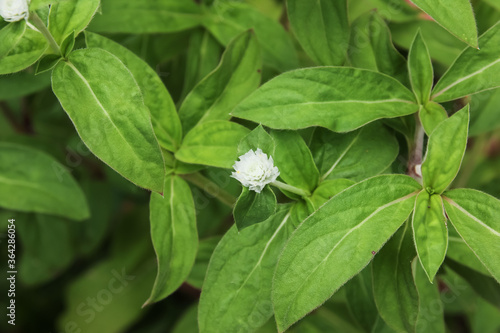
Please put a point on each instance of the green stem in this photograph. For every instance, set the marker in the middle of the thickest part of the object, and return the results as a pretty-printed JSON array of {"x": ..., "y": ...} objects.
[
  {"x": 290, "y": 188},
  {"x": 416, "y": 151},
  {"x": 210, "y": 187},
  {"x": 38, "y": 23}
]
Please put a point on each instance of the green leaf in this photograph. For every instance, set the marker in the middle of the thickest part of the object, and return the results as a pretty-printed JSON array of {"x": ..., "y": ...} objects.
[
  {"x": 47, "y": 63},
  {"x": 205, "y": 249},
  {"x": 371, "y": 48},
  {"x": 258, "y": 138},
  {"x": 203, "y": 55},
  {"x": 473, "y": 71},
  {"x": 21, "y": 84},
  {"x": 459, "y": 251},
  {"x": 47, "y": 248},
  {"x": 212, "y": 143},
  {"x": 484, "y": 112},
  {"x": 106, "y": 106},
  {"x": 359, "y": 296},
  {"x": 37, "y": 4},
  {"x": 32, "y": 181},
  {"x": 253, "y": 207},
  {"x": 393, "y": 286},
  {"x": 456, "y": 16},
  {"x": 356, "y": 155},
  {"x": 431, "y": 115},
  {"x": 300, "y": 210},
  {"x": 322, "y": 28},
  {"x": 338, "y": 98},
  {"x": 166, "y": 123},
  {"x": 482, "y": 285},
  {"x": 188, "y": 322},
  {"x": 10, "y": 36},
  {"x": 327, "y": 190},
  {"x": 230, "y": 19},
  {"x": 218, "y": 93},
  {"x": 68, "y": 44},
  {"x": 345, "y": 232},
  {"x": 445, "y": 151},
  {"x": 153, "y": 16},
  {"x": 299, "y": 171},
  {"x": 236, "y": 294},
  {"x": 20, "y": 52},
  {"x": 122, "y": 287},
  {"x": 443, "y": 46},
  {"x": 430, "y": 232},
  {"x": 174, "y": 235},
  {"x": 474, "y": 215},
  {"x": 89, "y": 235},
  {"x": 420, "y": 69},
  {"x": 493, "y": 3},
  {"x": 430, "y": 316},
  {"x": 66, "y": 17}
]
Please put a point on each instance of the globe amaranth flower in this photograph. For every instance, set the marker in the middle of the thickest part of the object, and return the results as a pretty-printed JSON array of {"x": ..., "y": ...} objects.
[
  {"x": 255, "y": 170},
  {"x": 14, "y": 10}
]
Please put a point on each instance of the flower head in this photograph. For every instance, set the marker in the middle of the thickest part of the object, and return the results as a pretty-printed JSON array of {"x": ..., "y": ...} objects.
[
  {"x": 14, "y": 10},
  {"x": 254, "y": 170}
]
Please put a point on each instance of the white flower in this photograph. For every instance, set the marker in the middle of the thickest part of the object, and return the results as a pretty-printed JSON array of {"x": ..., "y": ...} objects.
[
  {"x": 14, "y": 10},
  {"x": 254, "y": 170}
]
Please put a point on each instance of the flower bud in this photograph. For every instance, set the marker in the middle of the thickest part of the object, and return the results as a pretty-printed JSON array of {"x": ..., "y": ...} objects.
[
  {"x": 14, "y": 10},
  {"x": 255, "y": 170}
]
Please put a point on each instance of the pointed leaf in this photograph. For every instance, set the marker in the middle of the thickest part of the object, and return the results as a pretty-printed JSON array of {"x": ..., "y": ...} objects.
[
  {"x": 459, "y": 251},
  {"x": 445, "y": 151},
  {"x": 19, "y": 53},
  {"x": 473, "y": 71},
  {"x": 483, "y": 285},
  {"x": 420, "y": 69},
  {"x": 356, "y": 155},
  {"x": 327, "y": 190},
  {"x": 47, "y": 63},
  {"x": 430, "y": 316},
  {"x": 66, "y": 17},
  {"x": 10, "y": 35},
  {"x": 174, "y": 235},
  {"x": 359, "y": 296},
  {"x": 430, "y": 232},
  {"x": 47, "y": 248},
  {"x": 227, "y": 21},
  {"x": 237, "y": 290},
  {"x": 485, "y": 114},
  {"x": 203, "y": 56},
  {"x": 456, "y": 16},
  {"x": 371, "y": 47},
  {"x": 166, "y": 123},
  {"x": 474, "y": 215},
  {"x": 102, "y": 98},
  {"x": 32, "y": 181},
  {"x": 327, "y": 21},
  {"x": 345, "y": 232},
  {"x": 393, "y": 287},
  {"x": 218, "y": 93},
  {"x": 299, "y": 171},
  {"x": 205, "y": 249},
  {"x": 253, "y": 207},
  {"x": 154, "y": 16},
  {"x": 431, "y": 115},
  {"x": 257, "y": 139},
  {"x": 338, "y": 98},
  {"x": 212, "y": 143}
]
